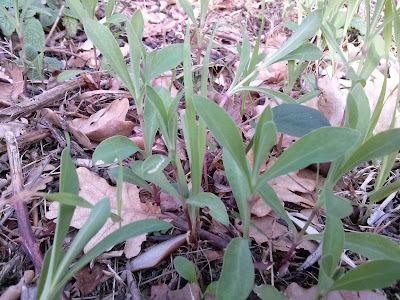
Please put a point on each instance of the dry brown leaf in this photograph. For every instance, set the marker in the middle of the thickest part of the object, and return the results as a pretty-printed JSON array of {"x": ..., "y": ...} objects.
[
  {"x": 94, "y": 188},
  {"x": 88, "y": 278},
  {"x": 275, "y": 232},
  {"x": 103, "y": 124},
  {"x": 373, "y": 89},
  {"x": 296, "y": 292},
  {"x": 296, "y": 187},
  {"x": 14, "y": 291},
  {"x": 162, "y": 292},
  {"x": 164, "y": 80},
  {"x": 170, "y": 202},
  {"x": 9, "y": 92}
]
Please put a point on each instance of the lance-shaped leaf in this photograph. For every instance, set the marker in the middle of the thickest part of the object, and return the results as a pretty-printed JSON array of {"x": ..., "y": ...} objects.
[
  {"x": 321, "y": 145},
  {"x": 224, "y": 130},
  {"x": 384, "y": 143},
  {"x": 370, "y": 275},
  {"x": 104, "y": 40},
  {"x": 161, "y": 60},
  {"x": 264, "y": 139},
  {"x": 237, "y": 276},
  {"x": 306, "y": 52}
]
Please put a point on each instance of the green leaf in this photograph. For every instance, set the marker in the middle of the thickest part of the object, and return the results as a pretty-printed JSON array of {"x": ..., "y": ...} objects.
[
  {"x": 368, "y": 276},
  {"x": 372, "y": 246},
  {"x": 203, "y": 11},
  {"x": 161, "y": 60},
  {"x": 308, "y": 96},
  {"x": 216, "y": 206},
  {"x": 224, "y": 130},
  {"x": 118, "y": 236},
  {"x": 135, "y": 56},
  {"x": 332, "y": 248},
  {"x": 383, "y": 192},
  {"x": 357, "y": 111},
  {"x": 150, "y": 123},
  {"x": 240, "y": 188},
  {"x": 270, "y": 198},
  {"x": 384, "y": 143},
  {"x": 65, "y": 75},
  {"x": 306, "y": 52},
  {"x": 104, "y": 40},
  {"x": 78, "y": 9},
  {"x": 97, "y": 218},
  {"x": 7, "y": 22},
  {"x": 158, "y": 103},
  {"x": 264, "y": 139},
  {"x": 321, "y": 145},
  {"x": 298, "y": 120},
  {"x": 212, "y": 288},
  {"x": 156, "y": 177},
  {"x": 336, "y": 206},
  {"x": 244, "y": 59},
  {"x": 306, "y": 30},
  {"x": 67, "y": 199},
  {"x": 71, "y": 25},
  {"x": 267, "y": 292},
  {"x": 137, "y": 22},
  {"x": 185, "y": 269},
  {"x": 112, "y": 149},
  {"x": 187, "y": 7},
  {"x": 69, "y": 184},
  {"x": 155, "y": 164},
  {"x": 44, "y": 273},
  {"x": 131, "y": 177},
  {"x": 33, "y": 34},
  {"x": 237, "y": 276},
  {"x": 374, "y": 55},
  {"x": 268, "y": 92}
]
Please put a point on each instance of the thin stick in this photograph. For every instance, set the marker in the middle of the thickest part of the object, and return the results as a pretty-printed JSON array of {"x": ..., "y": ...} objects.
[
  {"x": 55, "y": 24},
  {"x": 27, "y": 239}
]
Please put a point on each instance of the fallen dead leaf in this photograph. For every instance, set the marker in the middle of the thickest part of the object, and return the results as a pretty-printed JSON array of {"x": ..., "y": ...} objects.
[
  {"x": 94, "y": 188},
  {"x": 9, "y": 92},
  {"x": 88, "y": 278},
  {"x": 296, "y": 292},
  {"x": 13, "y": 292},
  {"x": 162, "y": 292},
  {"x": 103, "y": 124},
  {"x": 276, "y": 233}
]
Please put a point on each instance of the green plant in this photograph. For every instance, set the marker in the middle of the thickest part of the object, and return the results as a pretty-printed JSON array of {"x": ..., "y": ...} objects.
[
  {"x": 57, "y": 269},
  {"x": 345, "y": 147}
]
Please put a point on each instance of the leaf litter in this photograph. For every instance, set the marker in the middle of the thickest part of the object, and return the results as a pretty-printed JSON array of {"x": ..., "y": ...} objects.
[{"x": 164, "y": 24}]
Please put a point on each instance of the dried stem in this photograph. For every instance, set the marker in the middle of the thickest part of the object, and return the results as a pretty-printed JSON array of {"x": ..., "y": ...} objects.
[{"x": 27, "y": 239}]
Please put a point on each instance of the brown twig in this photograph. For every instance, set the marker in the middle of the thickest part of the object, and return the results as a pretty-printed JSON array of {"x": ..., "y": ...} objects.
[
  {"x": 29, "y": 137},
  {"x": 55, "y": 24},
  {"x": 27, "y": 239},
  {"x": 40, "y": 101}
]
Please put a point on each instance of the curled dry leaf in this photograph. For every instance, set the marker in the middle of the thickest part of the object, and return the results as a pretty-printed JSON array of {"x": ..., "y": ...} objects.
[
  {"x": 294, "y": 291},
  {"x": 105, "y": 123},
  {"x": 94, "y": 188}
]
